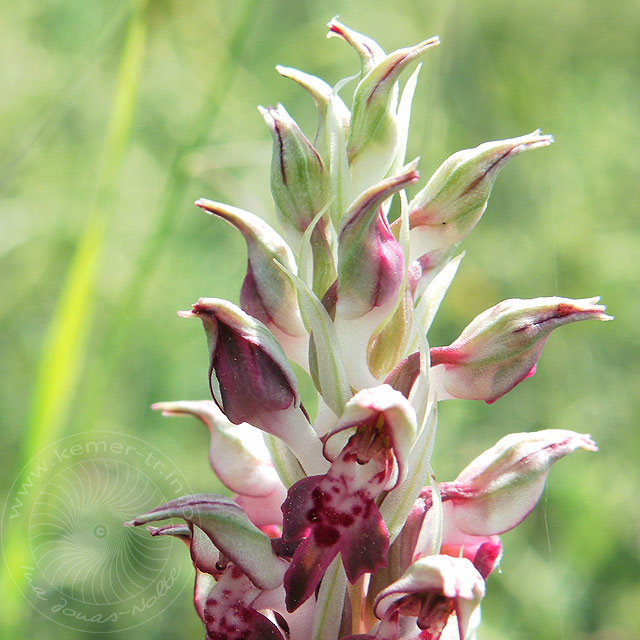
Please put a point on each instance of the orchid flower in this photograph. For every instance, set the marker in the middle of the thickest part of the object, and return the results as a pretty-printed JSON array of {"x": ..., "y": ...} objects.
[{"x": 335, "y": 526}]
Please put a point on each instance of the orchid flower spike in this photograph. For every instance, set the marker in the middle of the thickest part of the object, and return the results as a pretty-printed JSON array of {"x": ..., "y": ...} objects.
[{"x": 334, "y": 526}]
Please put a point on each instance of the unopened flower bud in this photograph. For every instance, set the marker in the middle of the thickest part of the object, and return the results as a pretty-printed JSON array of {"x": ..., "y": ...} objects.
[
  {"x": 267, "y": 293},
  {"x": 454, "y": 199},
  {"x": 373, "y": 135},
  {"x": 501, "y": 486},
  {"x": 500, "y": 348},
  {"x": 298, "y": 175},
  {"x": 370, "y": 259},
  {"x": 370, "y": 274},
  {"x": 321, "y": 92}
]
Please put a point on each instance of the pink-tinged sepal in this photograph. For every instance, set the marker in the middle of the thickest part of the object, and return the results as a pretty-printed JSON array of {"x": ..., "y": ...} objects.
[
  {"x": 267, "y": 294},
  {"x": 431, "y": 590},
  {"x": 500, "y": 347},
  {"x": 252, "y": 380},
  {"x": 237, "y": 453},
  {"x": 370, "y": 259},
  {"x": 228, "y": 528},
  {"x": 370, "y": 274},
  {"x": 373, "y": 134},
  {"x": 454, "y": 199},
  {"x": 229, "y": 614},
  {"x": 264, "y": 511},
  {"x": 380, "y": 425},
  {"x": 502, "y": 486}
]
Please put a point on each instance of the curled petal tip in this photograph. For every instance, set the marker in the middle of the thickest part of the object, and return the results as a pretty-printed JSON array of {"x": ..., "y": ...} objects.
[
  {"x": 536, "y": 139},
  {"x": 167, "y": 408},
  {"x": 186, "y": 314},
  {"x": 588, "y": 444}
]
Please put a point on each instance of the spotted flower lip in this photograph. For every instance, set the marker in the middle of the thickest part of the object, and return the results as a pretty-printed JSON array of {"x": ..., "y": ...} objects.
[{"x": 336, "y": 513}]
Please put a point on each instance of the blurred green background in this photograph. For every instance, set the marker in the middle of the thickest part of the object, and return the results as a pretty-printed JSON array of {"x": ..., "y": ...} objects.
[{"x": 117, "y": 115}]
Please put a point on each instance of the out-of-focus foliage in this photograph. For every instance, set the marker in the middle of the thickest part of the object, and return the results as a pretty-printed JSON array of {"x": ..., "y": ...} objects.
[{"x": 562, "y": 221}]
